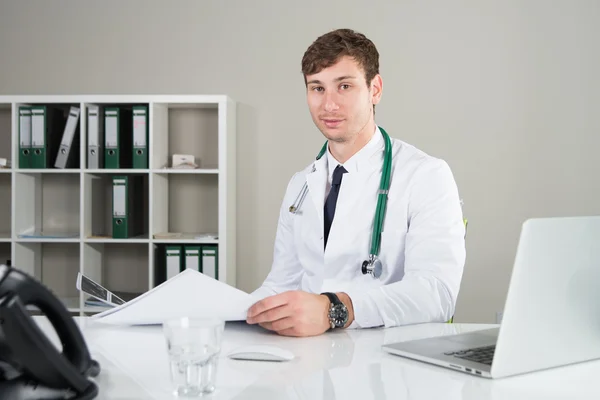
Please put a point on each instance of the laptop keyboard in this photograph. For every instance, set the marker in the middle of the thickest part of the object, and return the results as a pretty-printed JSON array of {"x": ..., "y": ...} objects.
[{"x": 483, "y": 355}]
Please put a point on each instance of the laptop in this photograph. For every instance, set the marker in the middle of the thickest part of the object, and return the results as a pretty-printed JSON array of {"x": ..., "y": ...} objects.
[{"x": 552, "y": 310}]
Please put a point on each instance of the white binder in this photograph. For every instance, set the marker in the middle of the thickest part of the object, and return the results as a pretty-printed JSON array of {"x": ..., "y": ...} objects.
[
  {"x": 95, "y": 137},
  {"x": 66, "y": 143}
]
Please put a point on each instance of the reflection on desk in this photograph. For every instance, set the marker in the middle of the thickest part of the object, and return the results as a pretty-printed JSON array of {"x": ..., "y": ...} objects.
[{"x": 346, "y": 364}]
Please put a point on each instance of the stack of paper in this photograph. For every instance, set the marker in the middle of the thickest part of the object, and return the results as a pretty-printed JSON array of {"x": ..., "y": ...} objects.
[{"x": 188, "y": 294}]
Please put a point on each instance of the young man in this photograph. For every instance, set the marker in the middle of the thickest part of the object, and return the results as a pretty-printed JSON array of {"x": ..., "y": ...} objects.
[{"x": 317, "y": 281}]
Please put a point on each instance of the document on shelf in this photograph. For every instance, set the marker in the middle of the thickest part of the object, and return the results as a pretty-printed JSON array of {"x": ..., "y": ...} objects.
[{"x": 188, "y": 294}]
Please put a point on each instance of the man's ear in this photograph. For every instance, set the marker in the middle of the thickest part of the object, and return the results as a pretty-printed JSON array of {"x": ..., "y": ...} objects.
[{"x": 376, "y": 89}]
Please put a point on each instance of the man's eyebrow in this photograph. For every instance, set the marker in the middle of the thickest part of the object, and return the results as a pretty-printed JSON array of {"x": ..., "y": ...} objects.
[{"x": 341, "y": 78}]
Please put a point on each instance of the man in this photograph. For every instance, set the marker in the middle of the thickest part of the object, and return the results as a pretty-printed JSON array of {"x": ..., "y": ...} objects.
[{"x": 321, "y": 246}]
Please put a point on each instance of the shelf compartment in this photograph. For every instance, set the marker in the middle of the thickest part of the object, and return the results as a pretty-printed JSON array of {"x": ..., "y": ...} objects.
[
  {"x": 98, "y": 200},
  {"x": 191, "y": 129},
  {"x": 5, "y": 254},
  {"x": 47, "y": 206},
  {"x": 5, "y": 206},
  {"x": 5, "y": 131},
  {"x": 56, "y": 265},
  {"x": 53, "y": 119},
  {"x": 185, "y": 204},
  {"x": 172, "y": 258},
  {"x": 126, "y": 155},
  {"x": 119, "y": 267}
]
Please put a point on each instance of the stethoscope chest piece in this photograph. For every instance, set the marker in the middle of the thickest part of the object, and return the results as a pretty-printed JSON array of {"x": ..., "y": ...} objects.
[{"x": 372, "y": 266}]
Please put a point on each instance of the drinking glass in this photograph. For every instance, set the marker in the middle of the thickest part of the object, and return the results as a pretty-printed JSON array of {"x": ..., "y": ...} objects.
[{"x": 194, "y": 346}]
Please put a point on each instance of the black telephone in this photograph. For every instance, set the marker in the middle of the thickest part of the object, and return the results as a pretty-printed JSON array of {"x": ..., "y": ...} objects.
[{"x": 31, "y": 367}]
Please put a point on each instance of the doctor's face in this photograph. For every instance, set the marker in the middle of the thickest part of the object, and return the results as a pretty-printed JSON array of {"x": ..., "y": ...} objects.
[{"x": 340, "y": 102}]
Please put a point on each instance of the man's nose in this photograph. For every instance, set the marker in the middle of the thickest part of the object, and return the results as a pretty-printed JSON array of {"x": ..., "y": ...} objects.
[{"x": 331, "y": 103}]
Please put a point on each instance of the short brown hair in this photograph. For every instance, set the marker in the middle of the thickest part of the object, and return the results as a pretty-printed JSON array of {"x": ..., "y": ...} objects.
[{"x": 330, "y": 47}]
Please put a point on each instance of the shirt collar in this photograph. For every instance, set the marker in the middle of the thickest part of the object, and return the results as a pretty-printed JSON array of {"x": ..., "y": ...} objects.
[{"x": 353, "y": 164}]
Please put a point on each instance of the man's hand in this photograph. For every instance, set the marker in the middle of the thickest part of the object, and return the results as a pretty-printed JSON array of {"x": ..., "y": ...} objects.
[{"x": 294, "y": 313}]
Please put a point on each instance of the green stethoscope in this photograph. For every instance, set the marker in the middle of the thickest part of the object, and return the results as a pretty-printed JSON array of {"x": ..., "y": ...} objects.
[{"x": 373, "y": 265}]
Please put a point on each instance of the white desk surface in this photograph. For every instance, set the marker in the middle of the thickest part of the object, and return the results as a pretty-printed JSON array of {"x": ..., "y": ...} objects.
[{"x": 345, "y": 365}]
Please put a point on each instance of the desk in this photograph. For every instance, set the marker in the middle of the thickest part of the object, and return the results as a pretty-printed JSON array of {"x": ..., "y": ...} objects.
[{"x": 345, "y": 365}]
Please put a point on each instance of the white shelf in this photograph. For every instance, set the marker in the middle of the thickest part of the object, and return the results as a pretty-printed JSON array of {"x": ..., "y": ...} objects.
[
  {"x": 210, "y": 171},
  {"x": 112, "y": 240},
  {"x": 47, "y": 171},
  {"x": 184, "y": 241},
  {"x": 79, "y": 200},
  {"x": 187, "y": 239},
  {"x": 46, "y": 240},
  {"x": 123, "y": 171}
]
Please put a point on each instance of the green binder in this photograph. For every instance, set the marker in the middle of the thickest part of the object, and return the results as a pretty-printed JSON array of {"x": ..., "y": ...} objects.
[
  {"x": 210, "y": 260},
  {"x": 24, "y": 137},
  {"x": 47, "y": 123},
  {"x": 140, "y": 137},
  {"x": 193, "y": 257},
  {"x": 174, "y": 262},
  {"x": 128, "y": 215},
  {"x": 118, "y": 137}
]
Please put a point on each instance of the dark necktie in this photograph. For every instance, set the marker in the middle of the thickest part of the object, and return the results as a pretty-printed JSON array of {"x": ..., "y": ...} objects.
[{"x": 332, "y": 199}]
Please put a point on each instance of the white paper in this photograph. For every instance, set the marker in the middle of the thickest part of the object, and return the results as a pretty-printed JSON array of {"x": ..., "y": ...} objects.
[{"x": 189, "y": 294}]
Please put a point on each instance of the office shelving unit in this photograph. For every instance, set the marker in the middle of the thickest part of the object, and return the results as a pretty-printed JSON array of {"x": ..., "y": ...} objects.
[{"x": 73, "y": 206}]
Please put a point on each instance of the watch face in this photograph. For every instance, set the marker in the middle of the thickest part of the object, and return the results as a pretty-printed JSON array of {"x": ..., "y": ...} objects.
[{"x": 339, "y": 315}]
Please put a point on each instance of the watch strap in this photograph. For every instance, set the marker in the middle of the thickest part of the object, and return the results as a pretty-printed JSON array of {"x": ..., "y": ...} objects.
[{"x": 332, "y": 298}]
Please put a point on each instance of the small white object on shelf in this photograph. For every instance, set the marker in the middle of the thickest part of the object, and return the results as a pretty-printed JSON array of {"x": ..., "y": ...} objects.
[
  {"x": 184, "y": 161},
  {"x": 206, "y": 236}
]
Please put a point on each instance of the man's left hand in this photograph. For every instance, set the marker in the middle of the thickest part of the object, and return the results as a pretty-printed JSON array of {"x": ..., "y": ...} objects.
[{"x": 293, "y": 313}]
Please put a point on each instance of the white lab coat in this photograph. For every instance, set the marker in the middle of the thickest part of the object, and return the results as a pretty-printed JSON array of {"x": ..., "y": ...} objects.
[{"x": 422, "y": 243}]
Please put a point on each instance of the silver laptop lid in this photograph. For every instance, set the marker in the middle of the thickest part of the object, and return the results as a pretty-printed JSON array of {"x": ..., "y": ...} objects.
[{"x": 552, "y": 311}]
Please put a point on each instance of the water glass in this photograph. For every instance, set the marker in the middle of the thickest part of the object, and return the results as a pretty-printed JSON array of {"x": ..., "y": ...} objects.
[{"x": 194, "y": 346}]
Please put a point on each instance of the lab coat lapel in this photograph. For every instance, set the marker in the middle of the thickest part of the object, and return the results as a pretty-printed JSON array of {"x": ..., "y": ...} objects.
[
  {"x": 316, "y": 181},
  {"x": 349, "y": 212},
  {"x": 352, "y": 191},
  {"x": 356, "y": 204}
]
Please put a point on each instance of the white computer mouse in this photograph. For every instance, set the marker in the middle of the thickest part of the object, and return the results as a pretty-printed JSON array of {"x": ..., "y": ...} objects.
[{"x": 261, "y": 353}]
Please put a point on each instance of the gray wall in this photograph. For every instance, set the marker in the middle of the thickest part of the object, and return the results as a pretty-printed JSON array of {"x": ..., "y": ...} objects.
[{"x": 507, "y": 92}]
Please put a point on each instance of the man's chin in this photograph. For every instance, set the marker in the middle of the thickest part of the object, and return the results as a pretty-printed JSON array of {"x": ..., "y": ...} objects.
[{"x": 335, "y": 135}]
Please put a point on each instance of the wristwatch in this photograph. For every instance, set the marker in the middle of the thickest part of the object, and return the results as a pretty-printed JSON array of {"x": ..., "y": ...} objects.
[{"x": 338, "y": 312}]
